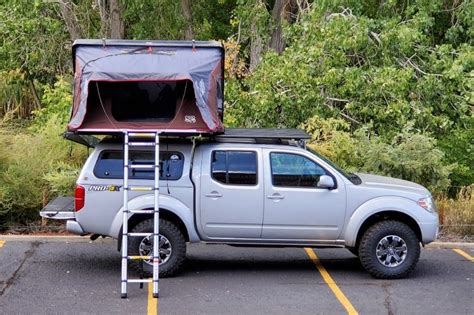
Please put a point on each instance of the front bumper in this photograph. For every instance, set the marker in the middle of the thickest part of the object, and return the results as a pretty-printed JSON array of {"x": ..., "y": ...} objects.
[{"x": 429, "y": 230}]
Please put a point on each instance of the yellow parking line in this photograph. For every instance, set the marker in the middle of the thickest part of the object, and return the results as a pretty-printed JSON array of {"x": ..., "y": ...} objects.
[
  {"x": 1, "y": 243},
  {"x": 152, "y": 308},
  {"x": 460, "y": 252},
  {"x": 331, "y": 283}
]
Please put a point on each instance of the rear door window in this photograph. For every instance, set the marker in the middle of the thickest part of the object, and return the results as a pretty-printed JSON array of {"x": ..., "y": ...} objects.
[
  {"x": 110, "y": 165},
  {"x": 234, "y": 167}
]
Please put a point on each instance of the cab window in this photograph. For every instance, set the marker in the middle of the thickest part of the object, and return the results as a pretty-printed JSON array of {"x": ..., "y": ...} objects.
[{"x": 294, "y": 170}]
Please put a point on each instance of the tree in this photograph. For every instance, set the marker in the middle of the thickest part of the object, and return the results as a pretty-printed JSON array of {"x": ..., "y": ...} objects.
[
  {"x": 111, "y": 19},
  {"x": 70, "y": 19},
  {"x": 284, "y": 11},
  {"x": 186, "y": 9},
  {"x": 262, "y": 24},
  {"x": 116, "y": 22}
]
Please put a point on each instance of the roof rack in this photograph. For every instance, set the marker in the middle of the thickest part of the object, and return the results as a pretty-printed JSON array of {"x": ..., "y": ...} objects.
[
  {"x": 263, "y": 133},
  {"x": 247, "y": 135}
]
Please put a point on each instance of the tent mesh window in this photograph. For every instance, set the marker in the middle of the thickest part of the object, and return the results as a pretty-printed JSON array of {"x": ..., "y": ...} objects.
[{"x": 141, "y": 100}]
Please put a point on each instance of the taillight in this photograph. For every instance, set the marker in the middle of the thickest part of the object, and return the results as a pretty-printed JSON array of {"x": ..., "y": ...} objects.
[{"x": 79, "y": 197}]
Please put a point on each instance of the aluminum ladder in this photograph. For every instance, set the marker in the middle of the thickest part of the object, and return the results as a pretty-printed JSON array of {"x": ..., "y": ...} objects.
[{"x": 151, "y": 139}]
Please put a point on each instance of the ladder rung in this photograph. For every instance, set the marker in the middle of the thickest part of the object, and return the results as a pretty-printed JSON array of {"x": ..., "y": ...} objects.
[
  {"x": 141, "y": 144},
  {"x": 140, "y": 257},
  {"x": 141, "y": 188},
  {"x": 143, "y": 166},
  {"x": 140, "y": 280},
  {"x": 142, "y": 211},
  {"x": 142, "y": 134},
  {"x": 140, "y": 234}
]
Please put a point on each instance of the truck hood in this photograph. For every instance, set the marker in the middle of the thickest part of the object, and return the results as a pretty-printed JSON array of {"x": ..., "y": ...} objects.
[{"x": 389, "y": 183}]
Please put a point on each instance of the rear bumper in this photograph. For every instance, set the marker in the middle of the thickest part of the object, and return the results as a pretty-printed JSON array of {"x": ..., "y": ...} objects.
[{"x": 74, "y": 227}]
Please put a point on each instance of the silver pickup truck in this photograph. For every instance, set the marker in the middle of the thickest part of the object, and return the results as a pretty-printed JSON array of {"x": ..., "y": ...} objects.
[{"x": 269, "y": 193}]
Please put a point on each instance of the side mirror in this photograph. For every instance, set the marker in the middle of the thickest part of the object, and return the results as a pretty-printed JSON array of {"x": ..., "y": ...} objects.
[{"x": 326, "y": 181}]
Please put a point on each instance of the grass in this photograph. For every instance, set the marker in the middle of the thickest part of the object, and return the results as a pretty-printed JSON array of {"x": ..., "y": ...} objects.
[{"x": 456, "y": 215}]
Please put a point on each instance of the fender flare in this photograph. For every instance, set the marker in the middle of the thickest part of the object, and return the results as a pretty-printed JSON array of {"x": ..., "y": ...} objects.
[
  {"x": 184, "y": 213},
  {"x": 377, "y": 205}
]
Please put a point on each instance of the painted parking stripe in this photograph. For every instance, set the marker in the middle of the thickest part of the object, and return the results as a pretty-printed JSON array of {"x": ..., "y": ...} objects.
[
  {"x": 1, "y": 243},
  {"x": 331, "y": 283},
  {"x": 152, "y": 308},
  {"x": 464, "y": 254}
]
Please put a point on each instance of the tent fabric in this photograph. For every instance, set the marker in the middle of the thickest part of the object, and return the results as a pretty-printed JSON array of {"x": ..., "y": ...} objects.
[{"x": 133, "y": 61}]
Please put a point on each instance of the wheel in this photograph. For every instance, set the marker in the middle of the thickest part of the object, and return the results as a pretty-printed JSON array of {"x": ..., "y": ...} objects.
[
  {"x": 389, "y": 250},
  {"x": 172, "y": 248}
]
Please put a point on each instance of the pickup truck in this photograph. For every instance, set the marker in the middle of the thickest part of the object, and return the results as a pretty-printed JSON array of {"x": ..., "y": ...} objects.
[{"x": 246, "y": 192}]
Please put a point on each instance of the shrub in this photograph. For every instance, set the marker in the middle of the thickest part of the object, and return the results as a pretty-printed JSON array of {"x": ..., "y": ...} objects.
[
  {"x": 37, "y": 164},
  {"x": 61, "y": 178},
  {"x": 457, "y": 214},
  {"x": 409, "y": 155}
]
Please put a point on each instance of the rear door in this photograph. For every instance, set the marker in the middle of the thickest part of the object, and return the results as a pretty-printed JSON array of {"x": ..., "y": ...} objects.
[{"x": 232, "y": 193}]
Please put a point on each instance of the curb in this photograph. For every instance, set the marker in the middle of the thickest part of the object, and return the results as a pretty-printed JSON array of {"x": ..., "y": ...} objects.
[
  {"x": 450, "y": 245},
  {"x": 52, "y": 238}
]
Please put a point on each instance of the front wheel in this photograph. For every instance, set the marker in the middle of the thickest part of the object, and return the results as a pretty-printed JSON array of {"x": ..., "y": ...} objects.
[
  {"x": 389, "y": 250},
  {"x": 172, "y": 249}
]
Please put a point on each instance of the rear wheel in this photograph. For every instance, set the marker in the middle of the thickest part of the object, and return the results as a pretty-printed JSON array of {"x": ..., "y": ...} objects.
[
  {"x": 172, "y": 250},
  {"x": 389, "y": 250}
]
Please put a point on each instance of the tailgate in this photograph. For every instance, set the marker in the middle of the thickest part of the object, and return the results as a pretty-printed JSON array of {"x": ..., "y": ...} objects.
[{"x": 61, "y": 208}]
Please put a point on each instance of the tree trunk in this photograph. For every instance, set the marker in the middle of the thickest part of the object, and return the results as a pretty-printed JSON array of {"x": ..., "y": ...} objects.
[
  {"x": 277, "y": 42},
  {"x": 256, "y": 47},
  {"x": 104, "y": 18},
  {"x": 186, "y": 10},
  {"x": 70, "y": 19},
  {"x": 32, "y": 87},
  {"x": 117, "y": 29},
  {"x": 283, "y": 10}
]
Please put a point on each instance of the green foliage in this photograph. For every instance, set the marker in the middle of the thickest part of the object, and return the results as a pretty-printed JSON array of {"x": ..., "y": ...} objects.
[
  {"x": 408, "y": 155},
  {"x": 146, "y": 19},
  {"x": 56, "y": 101},
  {"x": 61, "y": 178},
  {"x": 37, "y": 164},
  {"x": 16, "y": 98},
  {"x": 459, "y": 148},
  {"x": 33, "y": 38},
  {"x": 31, "y": 166},
  {"x": 378, "y": 69}
]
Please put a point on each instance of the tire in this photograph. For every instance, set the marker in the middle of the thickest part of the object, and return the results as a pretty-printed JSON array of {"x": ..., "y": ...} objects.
[
  {"x": 389, "y": 237},
  {"x": 174, "y": 241}
]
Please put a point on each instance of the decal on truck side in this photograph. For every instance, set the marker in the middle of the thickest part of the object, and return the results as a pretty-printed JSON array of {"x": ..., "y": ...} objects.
[{"x": 104, "y": 188}]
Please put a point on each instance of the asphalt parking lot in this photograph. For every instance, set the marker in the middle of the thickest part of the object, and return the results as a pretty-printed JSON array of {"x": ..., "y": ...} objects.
[{"x": 75, "y": 276}]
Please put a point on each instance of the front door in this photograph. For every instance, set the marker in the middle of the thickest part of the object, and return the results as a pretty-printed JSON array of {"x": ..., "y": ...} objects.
[
  {"x": 295, "y": 208},
  {"x": 232, "y": 194}
]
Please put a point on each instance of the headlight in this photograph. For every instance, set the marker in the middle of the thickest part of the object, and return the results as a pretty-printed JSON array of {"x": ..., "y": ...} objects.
[{"x": 427, "y": 204}]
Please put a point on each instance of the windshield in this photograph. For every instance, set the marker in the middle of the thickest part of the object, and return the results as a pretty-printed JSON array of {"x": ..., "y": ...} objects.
[{"x": 350, "y": 176}]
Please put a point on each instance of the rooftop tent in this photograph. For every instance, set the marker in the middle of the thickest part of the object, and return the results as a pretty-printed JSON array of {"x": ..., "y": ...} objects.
[{"x": 172, "y": 86}]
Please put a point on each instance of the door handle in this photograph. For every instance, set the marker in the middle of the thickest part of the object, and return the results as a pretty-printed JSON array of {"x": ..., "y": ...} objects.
[
  {"x": 214, "y": 194},
  {"x": 276, "y": 197}
]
